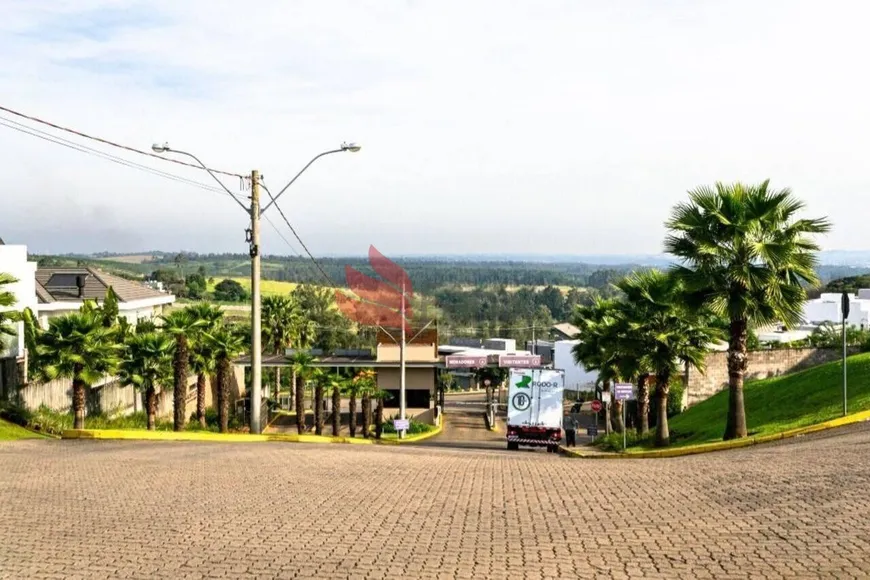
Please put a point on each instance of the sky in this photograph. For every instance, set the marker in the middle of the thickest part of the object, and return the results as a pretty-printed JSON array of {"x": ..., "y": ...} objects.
[{"x": 486, "y": 126}]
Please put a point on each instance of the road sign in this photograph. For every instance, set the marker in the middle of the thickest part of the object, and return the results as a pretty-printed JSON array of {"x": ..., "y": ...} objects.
[
  {"x": 623, "y": 391},
  {"x": 596, "y": 406},
  {"x": 401, "y": 424},
  {"x": 458, "y": 361},
  {"x": 518, "y": 361},
  {"x": 604, "y": 396},
  {"x": 592, "y": 431},
  {"x": 844, "y": 305}
]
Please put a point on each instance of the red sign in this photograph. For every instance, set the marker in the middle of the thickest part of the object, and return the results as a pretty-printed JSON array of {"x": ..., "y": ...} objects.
[{"x": 596, "y": 406}]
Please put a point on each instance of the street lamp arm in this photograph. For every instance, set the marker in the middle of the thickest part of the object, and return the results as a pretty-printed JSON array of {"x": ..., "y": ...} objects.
[
  {"x": 275, "y": 198},
  {"x": 204, "y": 166}
]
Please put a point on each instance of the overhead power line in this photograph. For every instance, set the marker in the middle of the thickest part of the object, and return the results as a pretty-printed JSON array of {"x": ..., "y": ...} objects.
[
  {"x": 33, "y": 132},
  {"x": 299, "y": 239},
  {"x": 111, "y": 143}
]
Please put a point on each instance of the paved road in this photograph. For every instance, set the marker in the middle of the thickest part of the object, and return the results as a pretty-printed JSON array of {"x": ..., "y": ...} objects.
[{"x": 79, "y": 509}]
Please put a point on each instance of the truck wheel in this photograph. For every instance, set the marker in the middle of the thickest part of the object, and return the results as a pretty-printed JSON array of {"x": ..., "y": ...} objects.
[
  {"x": 552, "y": 449},
  {"x": 513, "y": 446}
]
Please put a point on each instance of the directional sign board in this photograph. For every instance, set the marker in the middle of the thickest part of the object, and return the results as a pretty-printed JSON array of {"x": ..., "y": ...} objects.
[
  {"x": 401, "y": 425},
  {"x": 596, "y": 406},
  {"x": 623, "y": 391},
  {"x": 458, "y": 361},
  {"x": 518, "y": 361}
]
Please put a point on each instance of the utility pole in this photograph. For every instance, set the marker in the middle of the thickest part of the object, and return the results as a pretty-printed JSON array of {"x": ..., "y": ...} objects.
[
  {"x": 402, "y": 365},
  {"x": 844, "y": 308},
  {"x": 256, "y": 351}
]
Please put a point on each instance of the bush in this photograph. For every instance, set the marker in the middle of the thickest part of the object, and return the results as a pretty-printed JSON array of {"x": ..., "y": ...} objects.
[
  {"x": 414, "y": 427},
  {"x": 675, "y": 398},
  {"x": 15, "y": 414},
  {"x": 613, "y": 442}
]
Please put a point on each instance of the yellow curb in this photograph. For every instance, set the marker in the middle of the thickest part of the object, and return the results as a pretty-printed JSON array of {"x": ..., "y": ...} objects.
[
  {"x": 144, "y": 435},
  {"x": 723, "y": 445}
]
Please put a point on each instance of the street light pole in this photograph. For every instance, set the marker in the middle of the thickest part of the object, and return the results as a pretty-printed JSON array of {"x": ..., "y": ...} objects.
[
  {"x": 256, "y": 334},
  {"x": 256, "y": 304}
]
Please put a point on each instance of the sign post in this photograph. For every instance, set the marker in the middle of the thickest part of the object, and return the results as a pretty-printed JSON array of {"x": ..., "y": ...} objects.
[
  {"x": 844, "y": 307},
  {"x": 623, "y": 392}
]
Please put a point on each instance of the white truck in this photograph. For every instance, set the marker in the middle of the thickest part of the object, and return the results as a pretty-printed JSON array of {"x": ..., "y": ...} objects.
[{"x": 535, "y": 408}]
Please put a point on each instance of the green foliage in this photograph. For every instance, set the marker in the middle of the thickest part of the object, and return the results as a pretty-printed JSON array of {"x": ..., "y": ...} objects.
[
  {"x": 7, "y": 299},
  {"x": 195, "y": 286},
  {"x": 147, "y": 361},
  {"x": 781, "y": 403},
  {"x": 109, "y": 309},
  {"x": 415, "y": 427},
  {"x": 230, "y": 291},
  {"x": 77, "y": 346},
  {"x": 613, "y": 441},
  {"x": 675, "y": 398},
  {"x": 850, "y": 284}
]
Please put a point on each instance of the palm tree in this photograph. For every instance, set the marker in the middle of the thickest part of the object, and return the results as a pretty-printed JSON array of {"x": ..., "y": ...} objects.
[
  {"x": 7, "y": 300},
  {"x": 667, "y": 332},
  {"x": 338, "y": 384},
  {"x": 301, "y": 364},
  {"x": 319, "y": 378},
  {"x": 182, "y": 325},
  {"x": 380, "y": 396},
  {"x": 79, "y": 347},
  {"x": 226, "y": 344},
  {"x": 202, "y": 357},
  {"x": 280, "y": 325},
  {"x": 367, "y": 386},
  {"x": 354, "y": 389},
  {"x": 147, "y": 364},
  {"x": 596, "y": 349},
  {"x": 746, "y": 256}
]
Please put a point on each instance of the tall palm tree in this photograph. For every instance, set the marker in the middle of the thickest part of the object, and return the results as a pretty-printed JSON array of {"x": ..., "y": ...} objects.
[
  {"x": 596, "y": 349},
  {"x": 367, "y": 387},
  {"x": 319, "y": 378},
  {"x": 337, "y": 383},
  {"x": 147, "y": 364},
  {"x": 79, "y": 347},
  {"x": 667, "y": 331},
  {"x": 281, "y": 318},
  {"x": 182, "y": 325},
  {"x": 354, "y": 389},
  {"x": 202, "y": 356},
  {"x": 301, "y": 364},
  {"x": 380, "y": 396},
  {"x": 226, "y": 344},
  {"x": 745, "y": 255}
]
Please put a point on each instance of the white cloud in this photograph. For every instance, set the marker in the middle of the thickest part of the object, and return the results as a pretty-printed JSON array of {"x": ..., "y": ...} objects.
[{"x": 552, "y": 127}]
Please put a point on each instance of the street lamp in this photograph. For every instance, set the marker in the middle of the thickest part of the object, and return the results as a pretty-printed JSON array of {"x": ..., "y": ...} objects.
[{"x": 255, "y": 212}]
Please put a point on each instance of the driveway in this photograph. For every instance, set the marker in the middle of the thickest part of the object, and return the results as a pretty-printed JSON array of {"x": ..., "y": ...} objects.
[{"x": 91, "y": 509}]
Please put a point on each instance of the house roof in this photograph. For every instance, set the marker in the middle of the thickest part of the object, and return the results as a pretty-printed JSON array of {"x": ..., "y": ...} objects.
[
  {"x": 60, "y": 285},
  {"x": 567, "y": 329}
]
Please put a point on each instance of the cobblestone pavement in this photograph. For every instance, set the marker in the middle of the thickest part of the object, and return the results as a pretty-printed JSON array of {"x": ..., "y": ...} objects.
[{"x": 91, "y": 509}]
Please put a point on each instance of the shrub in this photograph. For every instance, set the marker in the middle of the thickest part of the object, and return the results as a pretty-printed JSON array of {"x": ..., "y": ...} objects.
[
  {"x": 15, "y": 414},
  {"x": 415, "y": 427},
  {"x": 613, "y": 442}
]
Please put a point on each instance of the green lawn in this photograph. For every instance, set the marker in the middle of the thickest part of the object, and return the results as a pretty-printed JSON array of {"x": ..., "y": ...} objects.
[
  {"x": 779, "y": 404},
  {"x": 11, "y": 431}
]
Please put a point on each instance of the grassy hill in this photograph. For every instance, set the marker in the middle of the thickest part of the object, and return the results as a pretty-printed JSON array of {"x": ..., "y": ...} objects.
[
  {"x": 267, "y": 287},
  {"x": 10, "y": 432},
  {"x": 782, "y": 403}
]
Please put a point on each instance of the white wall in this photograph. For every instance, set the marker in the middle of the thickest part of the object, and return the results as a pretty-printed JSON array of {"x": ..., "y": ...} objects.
[
  {"x": 577, "y": 378},
  {"x": 13, "y": 261},
  {"x": 827, "y": 309}
]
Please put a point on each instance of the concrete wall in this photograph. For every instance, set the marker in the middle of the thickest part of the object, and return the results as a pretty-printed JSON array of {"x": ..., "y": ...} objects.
[
  {"x": 762, "y": 364},
  {"x": 413, "y": 353},
  {"x": 107, "y": 396}
]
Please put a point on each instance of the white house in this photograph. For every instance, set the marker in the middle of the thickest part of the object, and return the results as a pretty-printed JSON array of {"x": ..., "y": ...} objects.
[
  {"x": 13, "y": 261},
  {"x": 63, "y": 290},
  {"x": 577, "y": 378},
  {"x": 827, "y": 308}
]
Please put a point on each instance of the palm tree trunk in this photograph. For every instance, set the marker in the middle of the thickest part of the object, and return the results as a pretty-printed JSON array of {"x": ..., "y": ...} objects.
[
  {"x": 179, "y": 392},
  {"x": 336, "y": 412},
  {"x": 616, "y": 417},
  {"x": 379, "y": 418},
  {"x": 366, "y": 414},
  {"x": 292, "y": 389},
  {"x": 223, "y": 379},
  {"x": 277, "y": 382},
  {"x": 735, "y": 426},
  {"x": 352, "y": 420},
  {"x": 663, "y": 435},
  {"x": 151, "y": 404},
  {"x": 300, "y": 405},
  {"x": 643, "y": 405},
  {"x": 318, "y": 409},
  {"x": 78, "y": 399},
  {"x": 200, "y": 399},
  {"x": 608, "y": 429}
]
